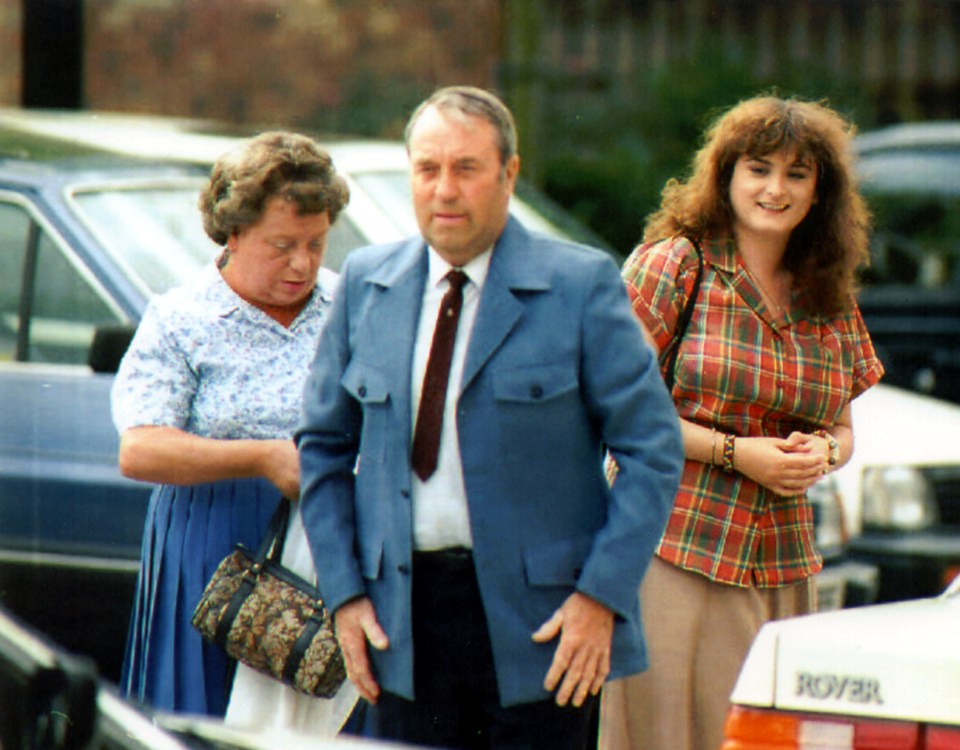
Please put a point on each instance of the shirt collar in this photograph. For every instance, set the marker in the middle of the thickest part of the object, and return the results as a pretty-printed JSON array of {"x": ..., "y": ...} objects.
[
  {"x": 720, "y": 251},
  {"x": 225, "y": 302},
  {"x": 476, "y": 269}
]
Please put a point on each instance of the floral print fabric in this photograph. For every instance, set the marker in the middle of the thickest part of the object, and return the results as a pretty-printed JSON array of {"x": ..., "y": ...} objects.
[{"x": 207, "y": 362}]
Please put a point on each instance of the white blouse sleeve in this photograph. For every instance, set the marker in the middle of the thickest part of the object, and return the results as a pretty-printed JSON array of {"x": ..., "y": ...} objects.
[{"x": 155, "y": 384}]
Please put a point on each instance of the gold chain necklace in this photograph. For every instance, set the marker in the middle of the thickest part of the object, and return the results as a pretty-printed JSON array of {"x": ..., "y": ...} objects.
[{"x": 768, "y": 298}]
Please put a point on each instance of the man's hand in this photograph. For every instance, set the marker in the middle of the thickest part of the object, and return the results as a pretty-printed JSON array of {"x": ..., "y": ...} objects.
[
  {"x": 355, "y": 624},
  {"x": 582, "y": 658}
]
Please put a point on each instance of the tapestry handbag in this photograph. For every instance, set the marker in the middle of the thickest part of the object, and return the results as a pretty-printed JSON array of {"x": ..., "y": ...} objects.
[{"x": 271, "y": 619}]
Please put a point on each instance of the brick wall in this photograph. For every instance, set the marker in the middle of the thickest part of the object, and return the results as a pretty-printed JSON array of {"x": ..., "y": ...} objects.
[
  {"x": 359, "y": 65},
  {"x": 293, "y": 62}
]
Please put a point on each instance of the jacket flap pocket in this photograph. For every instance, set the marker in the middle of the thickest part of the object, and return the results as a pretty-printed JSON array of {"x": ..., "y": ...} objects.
[
  {"x": 365, "y": 383},
  {"x": 558, "y": 563},
  {"x": 535, "y": 383}
]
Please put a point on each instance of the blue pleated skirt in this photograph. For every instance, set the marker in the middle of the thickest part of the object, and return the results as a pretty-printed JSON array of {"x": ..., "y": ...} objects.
[{"x": 189, "y": 530}]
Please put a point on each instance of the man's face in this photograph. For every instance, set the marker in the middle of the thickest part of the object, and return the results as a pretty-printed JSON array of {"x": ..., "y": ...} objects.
[{"x": 461, "y": 191}]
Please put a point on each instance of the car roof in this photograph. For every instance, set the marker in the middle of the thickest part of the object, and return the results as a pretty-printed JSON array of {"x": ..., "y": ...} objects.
[
  {"x": 58, "y": 134},
  {"x": 54, "y": 150},
  {"x": 40, "y": 158},
  {"x": 912, "y": 135},
  {"x": 919, "y": 159}
]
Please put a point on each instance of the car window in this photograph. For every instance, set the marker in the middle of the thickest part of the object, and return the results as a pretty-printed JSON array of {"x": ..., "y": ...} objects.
[
  {"x": 914, "y": 195},
  {"x": 390, "y": 190},
  {"x": 916, "y": 239},
  {"x": 343, "y": 237},
  {"x": 14, "y": 232},
  {"x": 155, "y": 232},
  {"x": 49, "y": 306}
]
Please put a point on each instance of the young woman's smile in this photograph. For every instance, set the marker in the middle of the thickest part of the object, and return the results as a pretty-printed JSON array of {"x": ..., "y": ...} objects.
[{"x": 771, "y": 194}]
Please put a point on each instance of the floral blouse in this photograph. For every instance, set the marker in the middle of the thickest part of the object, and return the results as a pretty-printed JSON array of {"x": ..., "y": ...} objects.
[
  {"x": 749, "y": 371},
  {"x": 207, "y": 362}
]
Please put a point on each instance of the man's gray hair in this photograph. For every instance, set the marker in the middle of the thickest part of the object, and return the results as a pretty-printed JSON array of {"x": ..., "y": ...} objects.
[{"x": 474, "y": 102}]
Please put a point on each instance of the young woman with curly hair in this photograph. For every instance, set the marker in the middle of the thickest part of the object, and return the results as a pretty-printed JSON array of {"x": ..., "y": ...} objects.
[{"x": 763, "y": 379}]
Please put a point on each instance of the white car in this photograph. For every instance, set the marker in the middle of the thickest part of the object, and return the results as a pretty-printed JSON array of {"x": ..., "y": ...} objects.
[
  {"x": 900, "y": 492},
  {"x": 886, "y": 676}
]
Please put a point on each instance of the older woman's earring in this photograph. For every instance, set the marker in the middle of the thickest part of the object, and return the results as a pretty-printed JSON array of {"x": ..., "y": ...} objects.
[{"x": 223, "y": 259}]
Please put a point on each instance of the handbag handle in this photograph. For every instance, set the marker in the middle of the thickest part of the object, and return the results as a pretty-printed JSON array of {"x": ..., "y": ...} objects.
[
  {"x": 275, "y": 535},
  {"x": 270, "y": 550},
  {"x": 669, "y": 356}
]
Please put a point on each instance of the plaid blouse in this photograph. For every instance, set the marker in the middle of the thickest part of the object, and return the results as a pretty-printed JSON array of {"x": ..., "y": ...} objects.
[{"x": 749, "y": 371}]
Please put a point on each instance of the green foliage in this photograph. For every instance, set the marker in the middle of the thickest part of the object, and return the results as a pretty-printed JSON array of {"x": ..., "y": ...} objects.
[{"x": 610, "y": 154}]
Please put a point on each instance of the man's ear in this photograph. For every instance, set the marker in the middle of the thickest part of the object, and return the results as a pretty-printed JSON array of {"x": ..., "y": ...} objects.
[{"x": 511, "y": 170}]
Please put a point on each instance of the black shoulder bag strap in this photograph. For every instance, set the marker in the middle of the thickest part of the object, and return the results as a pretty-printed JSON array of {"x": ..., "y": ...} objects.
[{"x": 669, "y": 356}]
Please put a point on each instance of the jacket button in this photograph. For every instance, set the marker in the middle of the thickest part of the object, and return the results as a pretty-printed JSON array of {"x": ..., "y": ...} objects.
[
  {"x": 403, "y": 569},
  {"x": 362, "y": 391},
  {"x": 536, "y": 391}
]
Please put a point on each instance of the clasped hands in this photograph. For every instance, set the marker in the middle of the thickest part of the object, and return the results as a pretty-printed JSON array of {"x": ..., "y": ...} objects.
[
  {"x": 787, "y": 466},
  {"x": 580, "y": 664}
]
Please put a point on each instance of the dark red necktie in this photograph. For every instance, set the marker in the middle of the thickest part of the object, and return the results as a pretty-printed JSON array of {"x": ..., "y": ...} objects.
[{"x": 426, "y": 438}]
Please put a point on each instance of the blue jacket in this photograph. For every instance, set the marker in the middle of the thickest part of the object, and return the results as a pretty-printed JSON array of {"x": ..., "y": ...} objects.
[{"x": 556, "y": 371}]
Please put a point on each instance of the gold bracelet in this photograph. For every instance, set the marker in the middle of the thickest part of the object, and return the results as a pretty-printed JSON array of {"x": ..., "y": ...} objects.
[{"x": 728, "y": 452}]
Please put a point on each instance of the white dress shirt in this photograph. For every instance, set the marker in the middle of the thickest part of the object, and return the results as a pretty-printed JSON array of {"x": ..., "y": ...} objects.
[{"x": 440, "y": 515}]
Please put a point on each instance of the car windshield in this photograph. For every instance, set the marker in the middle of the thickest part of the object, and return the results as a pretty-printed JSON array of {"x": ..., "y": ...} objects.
[
  {"x": 390, "y": 190},
  {"x": 154, "y": 231},
  {"x": 915, "y": 199},
  {"x": 156, "y": 234}
]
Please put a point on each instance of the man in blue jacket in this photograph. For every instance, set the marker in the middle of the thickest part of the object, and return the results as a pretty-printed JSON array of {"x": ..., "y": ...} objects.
[{"x": 482, "y": 573}]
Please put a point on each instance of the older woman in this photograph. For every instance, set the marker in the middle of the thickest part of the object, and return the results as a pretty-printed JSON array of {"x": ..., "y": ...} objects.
[{"x": 207, "y": 398}]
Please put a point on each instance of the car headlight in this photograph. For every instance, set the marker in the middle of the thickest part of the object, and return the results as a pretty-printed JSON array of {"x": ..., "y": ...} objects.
[
  {"x": 898, "y": 498},
  {"x": 831, "y": 532}
]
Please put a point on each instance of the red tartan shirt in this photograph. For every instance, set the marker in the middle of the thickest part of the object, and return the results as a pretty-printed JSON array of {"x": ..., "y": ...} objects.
[{"x": 748, "y": 371}]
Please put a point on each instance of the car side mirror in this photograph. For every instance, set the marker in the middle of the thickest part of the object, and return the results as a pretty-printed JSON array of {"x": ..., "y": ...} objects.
[{"x": 109, "y": 345}]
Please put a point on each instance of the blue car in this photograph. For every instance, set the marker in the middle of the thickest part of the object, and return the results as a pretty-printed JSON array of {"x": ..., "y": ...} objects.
[{"x": 85, "y": 239}]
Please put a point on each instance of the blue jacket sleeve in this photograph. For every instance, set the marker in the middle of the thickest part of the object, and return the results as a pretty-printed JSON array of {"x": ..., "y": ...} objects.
[
  {"x": 640, "y": 428},
  {"x": 328, "y": 440}
]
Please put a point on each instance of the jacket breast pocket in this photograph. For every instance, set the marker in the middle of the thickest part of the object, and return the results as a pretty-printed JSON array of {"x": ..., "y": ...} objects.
[
  {"x": 369, "y": 387},
  {"x": 534, "y": 384},
  {"x": 538, "y": 409}
]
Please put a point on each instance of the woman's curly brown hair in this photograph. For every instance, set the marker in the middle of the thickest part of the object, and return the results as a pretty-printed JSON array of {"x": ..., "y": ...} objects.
[
  {"x": 273, "y": 164},
  {"x": 831, "y": 243}
]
